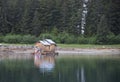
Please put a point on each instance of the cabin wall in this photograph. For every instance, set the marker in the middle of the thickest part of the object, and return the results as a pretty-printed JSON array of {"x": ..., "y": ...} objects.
[{"x": 46, "y": 48}]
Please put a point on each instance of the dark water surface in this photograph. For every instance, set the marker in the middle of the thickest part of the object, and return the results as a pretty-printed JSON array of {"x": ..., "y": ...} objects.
[{"x": 60, "y": 69}]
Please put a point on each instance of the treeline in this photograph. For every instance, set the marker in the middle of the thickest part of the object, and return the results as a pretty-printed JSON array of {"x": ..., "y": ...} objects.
[
  {"x": 56, "y": 17},
  {"x": 103, "y": 19},
  {"x": 39, "y": 16}
]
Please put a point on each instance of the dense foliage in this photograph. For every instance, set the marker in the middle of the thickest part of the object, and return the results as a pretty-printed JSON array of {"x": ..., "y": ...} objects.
[
  {"x": 59, "y": 19},
  {"x": 103, "y": 20},
  {"x": 38, "y": 16},
  {"x": 63, "y": 38}
]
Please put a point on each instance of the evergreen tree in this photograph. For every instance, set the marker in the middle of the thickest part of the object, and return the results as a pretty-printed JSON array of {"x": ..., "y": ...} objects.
[
  {"x": 102, "y": 30},
  {"x": 3, "y": 18},
  {"x": 26, "y": 18},
  {"x": 40, "y": 16},
  {"x": 93, "y": 17},
  {"x": 36, "y": 24},
  {"x": 114, "y": 16}
]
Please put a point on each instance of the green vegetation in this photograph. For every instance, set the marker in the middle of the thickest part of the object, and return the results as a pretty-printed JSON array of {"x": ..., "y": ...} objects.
[
  {"x": 87, "y": 46},
  {"x": 26, "y": 21},
  {"x": 63, "y": 38},
  {"x": 26, "y": 39}
]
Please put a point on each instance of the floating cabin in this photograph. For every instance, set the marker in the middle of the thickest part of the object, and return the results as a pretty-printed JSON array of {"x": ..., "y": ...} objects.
[{"x": 46, "y": 46}]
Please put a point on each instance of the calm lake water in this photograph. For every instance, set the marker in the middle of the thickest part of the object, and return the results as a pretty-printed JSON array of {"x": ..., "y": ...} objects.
[{"x": 60, "y": 69}]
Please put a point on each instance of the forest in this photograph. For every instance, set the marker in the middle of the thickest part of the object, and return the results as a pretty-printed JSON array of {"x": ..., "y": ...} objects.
[{"x": 26, "y": 21}]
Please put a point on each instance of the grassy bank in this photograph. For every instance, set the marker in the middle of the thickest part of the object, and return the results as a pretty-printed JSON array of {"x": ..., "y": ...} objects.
[
  {"x": 72, "y": 45},
  {"x": 87, "y": 46}
]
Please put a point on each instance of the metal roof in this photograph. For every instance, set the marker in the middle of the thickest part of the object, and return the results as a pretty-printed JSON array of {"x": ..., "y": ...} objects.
[
  {"x": 47, "y": 42},
  {"x": 50, "y": 41},
  {"x": 44, "y": 42}
]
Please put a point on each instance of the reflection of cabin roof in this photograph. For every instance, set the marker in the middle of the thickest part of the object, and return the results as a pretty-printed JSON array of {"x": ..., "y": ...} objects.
[{"x": 50, "y": 41}]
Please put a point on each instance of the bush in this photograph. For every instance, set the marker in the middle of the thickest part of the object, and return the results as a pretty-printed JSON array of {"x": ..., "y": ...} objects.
[
  {"x": 82, "y": 40},
  {"x": 71, "y": 39},
  {"x": 12, "y": 38},
  {"x": 62, "y": 37},
  {"x": 117, "y": 39},
  {"x": 66, "y": 38},
  {"x": 19, "y": 39},
  {"x": 46, "y": 36},
  {"x": 112, "y": 39},
  {"x": 29, "y": 39},
  {"x": 1, "y": 39},
  {"x": 92, "y": 40}
]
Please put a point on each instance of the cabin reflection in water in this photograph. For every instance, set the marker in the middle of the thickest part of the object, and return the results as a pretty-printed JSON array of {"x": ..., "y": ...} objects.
[{"x": 44, "y": 63}]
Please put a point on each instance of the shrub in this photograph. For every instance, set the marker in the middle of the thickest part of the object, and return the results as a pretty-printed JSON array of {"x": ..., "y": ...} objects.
[
  {"x": 56, "y": 38},
  {"x": 117, "y": 39},
  {"x": 92, "y": 40},
  {"x": 29, "y": 39},
  {"x": 46, "y": 36},
  {"x": 12, "y": 38},
  {"x": 62, "y": 37},
  {"x": 1, "y": 38},
  {"x": 82, "y": 40},
  {"x": 112, "y": 39},
  {"x": 70, "y": 40},
  {"x": 66, "y": 38}
]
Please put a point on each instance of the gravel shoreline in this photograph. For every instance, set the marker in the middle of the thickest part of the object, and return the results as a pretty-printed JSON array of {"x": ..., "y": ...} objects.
[{"x": 27, "y": 50}]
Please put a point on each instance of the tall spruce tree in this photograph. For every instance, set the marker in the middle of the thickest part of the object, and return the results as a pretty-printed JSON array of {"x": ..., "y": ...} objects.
[
  {"x": 102, "y": 31},
  {"x": 36, "y": 24},
  {"x": 4, "y": 29},
  {"x": 114, "y": 16}
]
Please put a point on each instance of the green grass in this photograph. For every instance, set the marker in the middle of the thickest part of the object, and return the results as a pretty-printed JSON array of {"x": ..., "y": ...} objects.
[
  {"x": 16, "y": 44},
  {"x": 87, "y": 46},
  {"x": 75, "y": 45}
]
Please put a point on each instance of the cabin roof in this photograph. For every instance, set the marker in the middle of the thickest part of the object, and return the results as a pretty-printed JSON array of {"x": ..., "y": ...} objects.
[
  {"x": 50, "y": 41},
  {"x": 47, "y": 42},
  {"x": 44, "y": 42}
]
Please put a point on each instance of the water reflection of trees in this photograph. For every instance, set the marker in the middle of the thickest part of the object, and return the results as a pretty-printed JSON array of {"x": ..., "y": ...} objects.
[
  {"x": 65, "y": 70},
  {"x": 88, "y": 70}
]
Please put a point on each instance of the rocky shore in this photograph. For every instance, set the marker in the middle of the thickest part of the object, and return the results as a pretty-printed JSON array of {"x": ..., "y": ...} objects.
[{"x": 27, "y": 51}]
